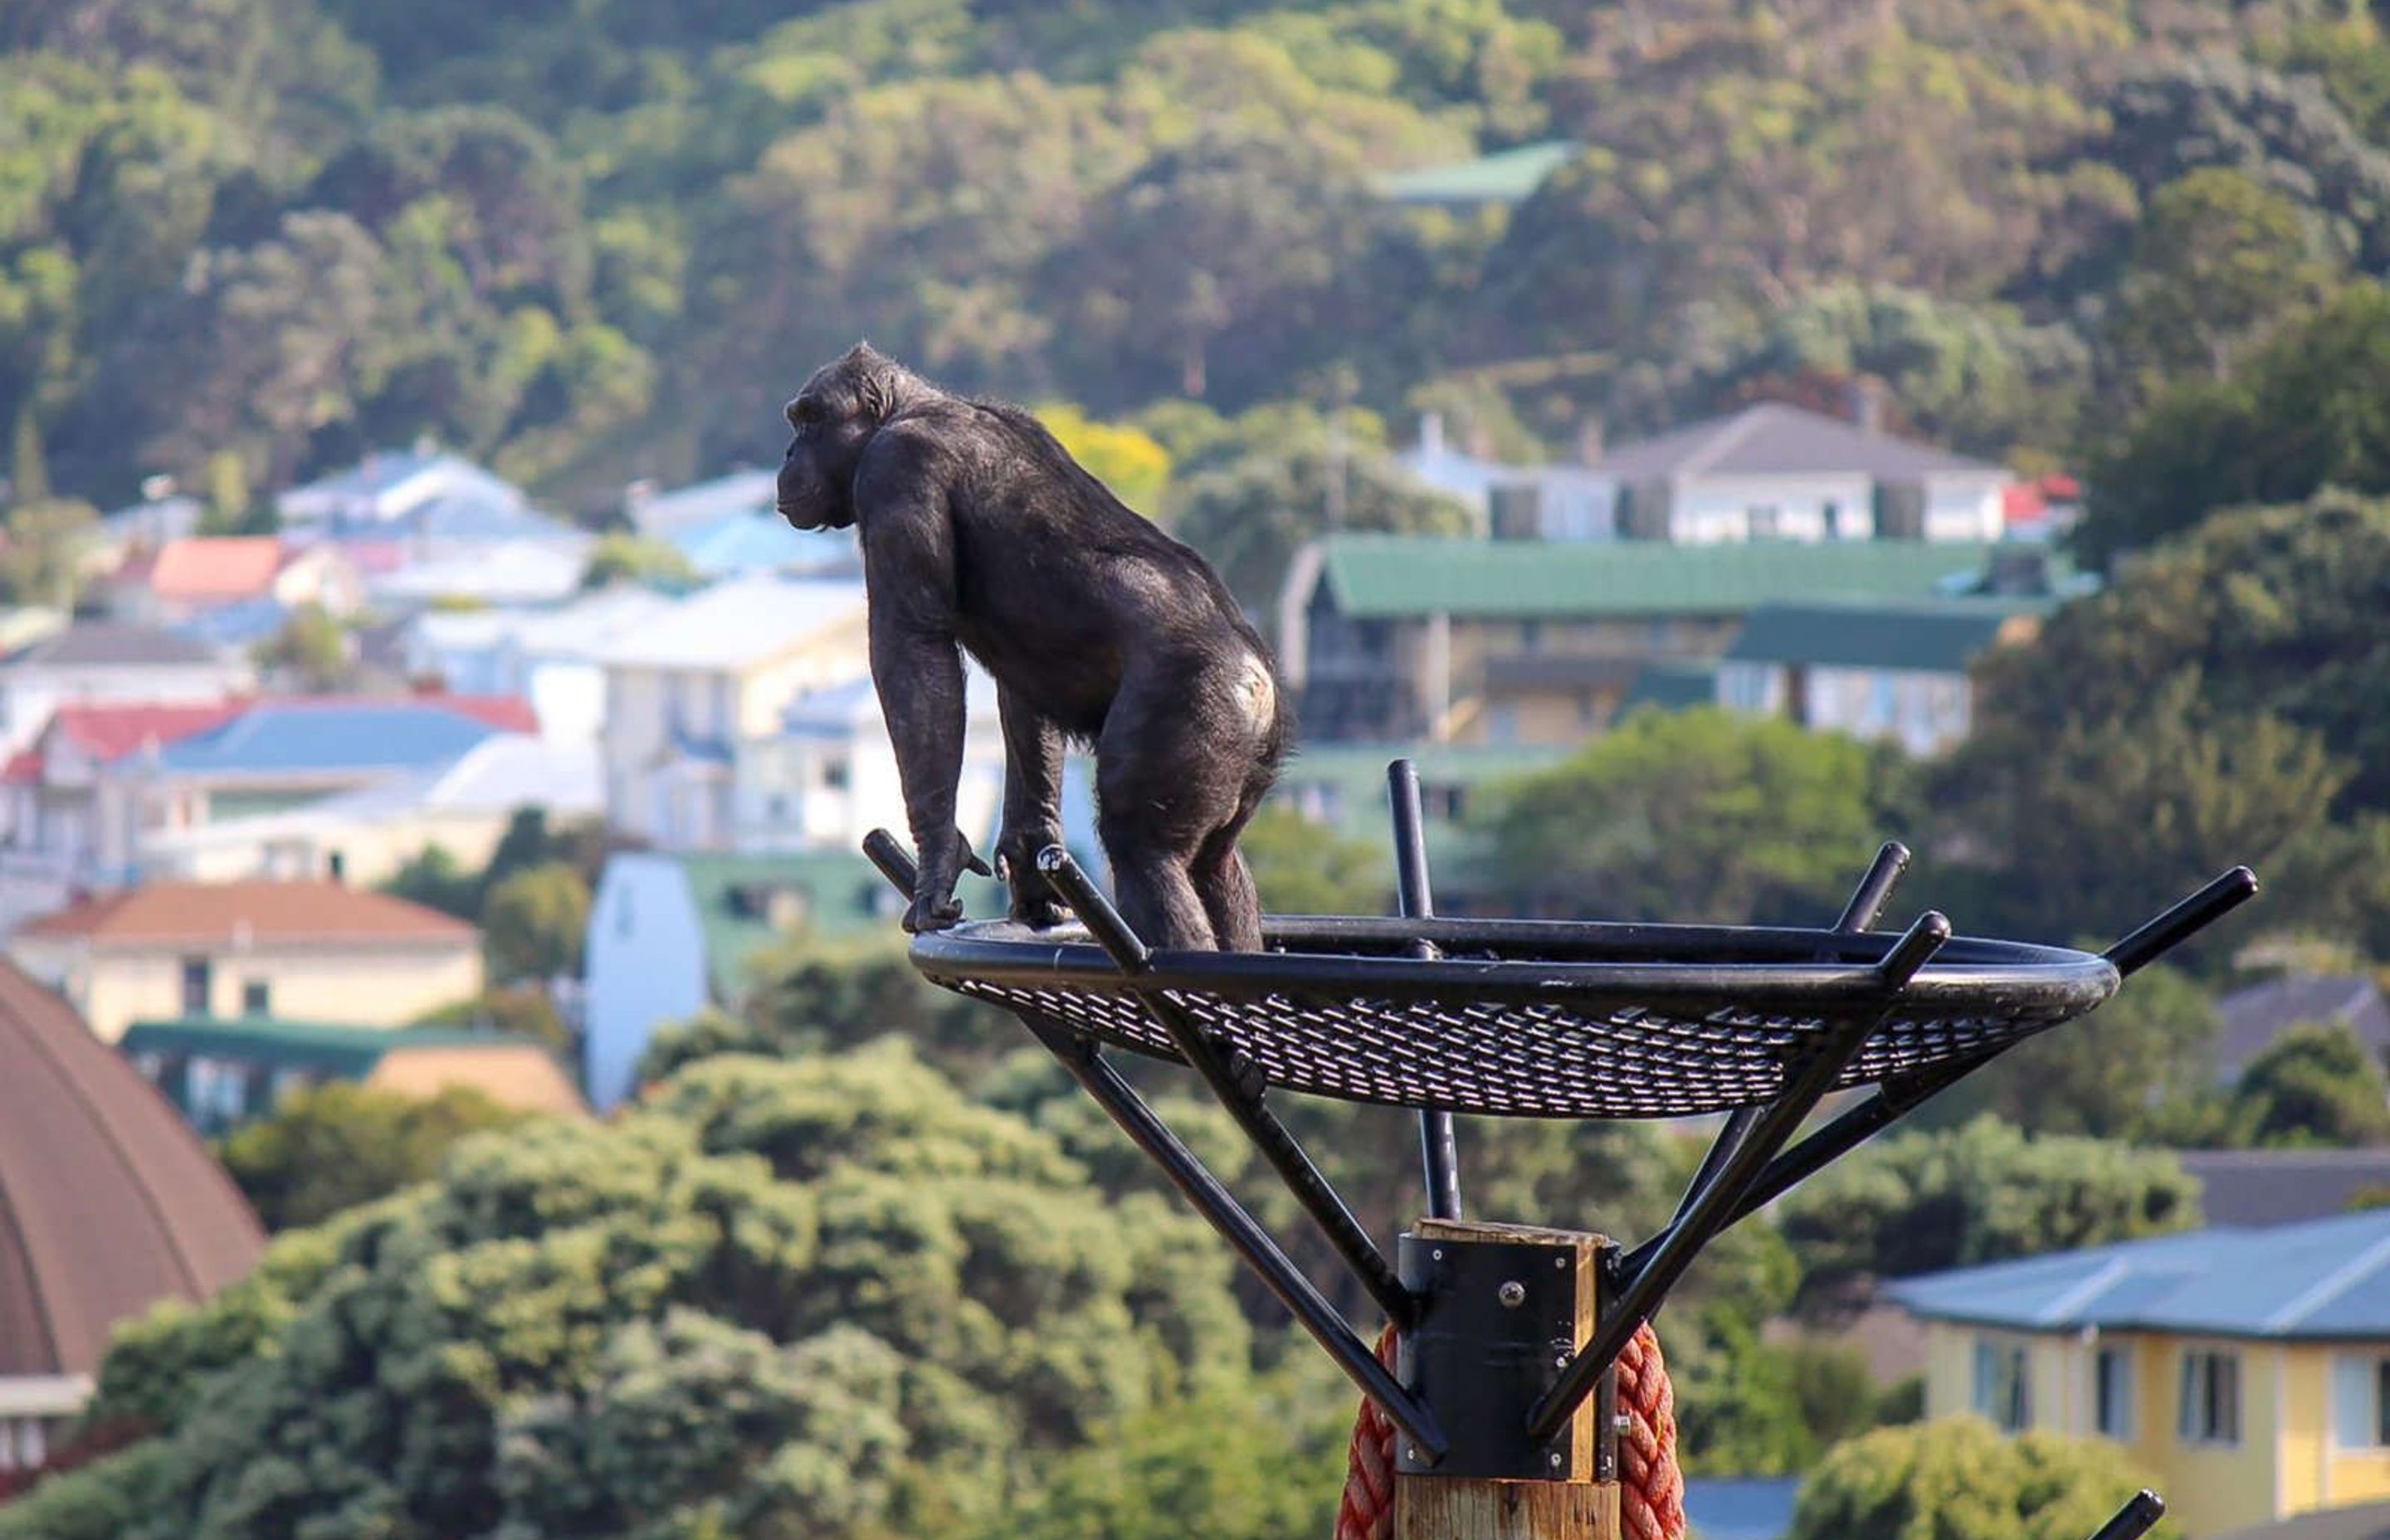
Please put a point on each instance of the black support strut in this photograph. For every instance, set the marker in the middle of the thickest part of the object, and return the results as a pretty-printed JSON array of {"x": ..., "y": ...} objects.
[{"x": 1439, "y": 1148}]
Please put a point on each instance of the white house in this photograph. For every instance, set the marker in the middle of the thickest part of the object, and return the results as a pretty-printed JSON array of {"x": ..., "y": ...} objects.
[
  {"x": 549, "y": 656},
  {"x": 1778, "y": 472},
  {"x": 382, "y": 490},
  {"x": 684, "y": 689},
  {"x": 506, "y": 572},
  {"x": 112, "y": 662},
  {"x": 671, "y": 934},
  {"x": 1545, "y": 502},
  {"x": 829, "y": 776}
]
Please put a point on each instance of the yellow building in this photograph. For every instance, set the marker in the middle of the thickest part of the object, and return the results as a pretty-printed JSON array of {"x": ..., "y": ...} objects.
[
  {"x": 2249, "y": 1369},
  {"x": 194, "y": 950}
]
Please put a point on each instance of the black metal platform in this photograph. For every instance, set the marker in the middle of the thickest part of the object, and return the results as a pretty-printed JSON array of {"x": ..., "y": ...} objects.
[
  {"x": 1537, "y": 1020},
  {"x": 1529, "y": 1019}
]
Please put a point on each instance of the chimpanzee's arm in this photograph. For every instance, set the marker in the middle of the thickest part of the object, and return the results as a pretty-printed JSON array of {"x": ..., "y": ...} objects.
[
  {"x": 908, "y": 570},
  {"x": 1033, "y": 807}
]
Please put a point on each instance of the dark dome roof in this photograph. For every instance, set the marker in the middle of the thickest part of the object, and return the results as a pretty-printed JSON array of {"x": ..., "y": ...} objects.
[{"x": 108, "y": 1202}]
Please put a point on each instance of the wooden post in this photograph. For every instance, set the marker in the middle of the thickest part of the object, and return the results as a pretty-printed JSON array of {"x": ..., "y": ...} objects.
[{"x": 1429, "y": 1506}]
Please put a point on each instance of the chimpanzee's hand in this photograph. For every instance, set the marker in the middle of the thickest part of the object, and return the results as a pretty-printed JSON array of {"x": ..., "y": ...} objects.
[
  {"x": 1034, "y": 902},
  {"x": 934, "y": 905}
]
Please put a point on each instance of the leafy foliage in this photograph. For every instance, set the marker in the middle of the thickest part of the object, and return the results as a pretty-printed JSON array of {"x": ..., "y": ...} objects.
[
  {"x": 2314, "y": 1086},
  {"x": 337, "y": 1146},
  {"x": 1960, "y": 1479},
  {"x": 1920, "y": 1202}
]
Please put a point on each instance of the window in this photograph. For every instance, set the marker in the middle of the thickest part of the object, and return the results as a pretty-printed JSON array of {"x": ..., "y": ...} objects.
[
  {"x": 198, "y": 986},
  {"x": 2113, "y": 1392},
  {"x": 1531, "y": 636},
  {"x": 2208, "y": 1410},
  {"x": 1766, "y": 521},
  {"x": 2361, "y": 1401},
  {"x": 336, "y": 866},
  {"x": 256, "y": 997},
  {"x": 1833, "y": 517},
  {"x": 2003, "y": 1385}
]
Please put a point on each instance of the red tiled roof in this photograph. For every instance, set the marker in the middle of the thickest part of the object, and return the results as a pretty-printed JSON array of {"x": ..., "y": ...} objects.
[
  {"x": 202, "y": 914},
  {"x": 216, "y": 567},
  {"x": 108, "y": 1202},
  {"x": 109, "y": 733}
]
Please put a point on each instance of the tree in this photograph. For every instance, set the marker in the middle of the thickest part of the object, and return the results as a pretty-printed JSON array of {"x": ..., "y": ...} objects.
[
  {"x": 1303, "y": 868},
  {"x": 1958, "y": 1479},
  {"x": 534, "y": 923},
  {"x": 637, "y": 559},
  {"x": 1701, "y": 816},
  {"x": 44, "y": 550},
  {"x": 312, "y": 651},
  {"x": 831, "y": 1298},
  {"x": 2142, "y": 1069},
  {"x": 2300, "y": 416},
  {"x": 2314, "y": 1084},
  {"x": 435, "y": 879},
  {"x": 1922, "y": 1203},
  {"x": 337, "y": 1146},
  {"x": 1123, "y": 457}
]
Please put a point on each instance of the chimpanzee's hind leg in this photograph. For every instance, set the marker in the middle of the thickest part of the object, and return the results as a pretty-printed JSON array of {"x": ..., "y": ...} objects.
[
  {"x": 1172, "y": 767},
  {"x": 1225, "y": 885}
]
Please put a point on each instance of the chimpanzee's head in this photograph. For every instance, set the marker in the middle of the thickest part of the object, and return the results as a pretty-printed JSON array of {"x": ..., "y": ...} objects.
[{"x": 834, "y": 418}]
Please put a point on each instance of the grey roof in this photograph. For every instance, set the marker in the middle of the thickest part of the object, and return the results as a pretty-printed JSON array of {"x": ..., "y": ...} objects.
[
  {"x": 2362, "y": 1521},
  {"x": 1774, "y": 439},
  {"x": 2325, "y": 1280},
  {"x": 2282, "y": 1187},
  {"x": 1931, "y": 636},
  {"x": 1504, "y": 176},
  {"x": 88, "y": 644},
  {"x": 2255, "y": 1017}
]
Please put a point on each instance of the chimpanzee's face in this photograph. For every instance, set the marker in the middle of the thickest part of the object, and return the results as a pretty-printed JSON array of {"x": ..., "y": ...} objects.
[{"x": 832, "y": 421}]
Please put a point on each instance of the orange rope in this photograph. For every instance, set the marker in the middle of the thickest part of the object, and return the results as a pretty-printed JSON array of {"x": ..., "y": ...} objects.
[{"x": 1652, "y": 1489}]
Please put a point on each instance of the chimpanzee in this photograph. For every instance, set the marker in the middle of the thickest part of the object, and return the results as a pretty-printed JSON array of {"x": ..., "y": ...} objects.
[{"x": 979, "y": 528}]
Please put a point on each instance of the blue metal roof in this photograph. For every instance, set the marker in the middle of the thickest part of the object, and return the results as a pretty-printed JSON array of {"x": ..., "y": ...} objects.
[
  {"x": 762, "y": 542},
  {"x": 2325, "y": 1279},
  {"x": 297, "y": 737}
]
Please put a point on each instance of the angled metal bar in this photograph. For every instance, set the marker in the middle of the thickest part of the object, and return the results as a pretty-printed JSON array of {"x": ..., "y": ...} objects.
[
  {"x": 1439, "y": 1147},
  {"x": 1868, "y": 899},
  {"x": 1722, "y": 1148},
  {"x": 2136, "y": 1519},
  {"x": 1084, "y": 1063},
  {"x": 1711, "y": 1211},
  {"x": 1236, "y": 1084},
  {"x": 2186, "y": 919}
]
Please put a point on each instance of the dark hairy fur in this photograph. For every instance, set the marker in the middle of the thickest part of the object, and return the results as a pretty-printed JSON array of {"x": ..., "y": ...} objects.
[{"x": 979, "y": 530}]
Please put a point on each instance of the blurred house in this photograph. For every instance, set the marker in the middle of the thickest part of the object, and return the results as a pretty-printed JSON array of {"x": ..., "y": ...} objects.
[
  {"x": 112, "y": 1207},
  {"x": 221, "y": 1074},
  {"x": 1499, "y": 180},
  {"x": 728, "y": 526},
  {"x": 183, "y": 579},
  {"x": 514, "y": 571},
  {"x": 665, "y": 515},
  {"x": 547, "y": 657},
  {"x": 690, "y": 685},
  {"x": 1878, "y": 669},
  {"x": 1342, "y": 787},
  {"x": 112, "y": 662},
  {"x": 194, "y": 950},
  {"x": 827, "y": 776},
  {"x": 2255, "y": 1017},
  {"x": 2257, "y": 1188},
  {"x": 1395, "y": 638},
  {"x": 671, "y": 934},
  {"x": 366, "y": 836},
  {"x": 1768, "y": 472},
  {"x": 154, "y": 521},
  {"x": 2248, "y": 1369},
  {"x": 392, "y": 492},
  {"x": 91, "y": 798}
]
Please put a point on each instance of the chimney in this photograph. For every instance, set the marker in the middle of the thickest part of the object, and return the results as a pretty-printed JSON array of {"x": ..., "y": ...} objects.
[
  {"x": 1867, "y": 404},
  {"x": 1589, "y": 442},
  {"x": 1430, "y": 440}
]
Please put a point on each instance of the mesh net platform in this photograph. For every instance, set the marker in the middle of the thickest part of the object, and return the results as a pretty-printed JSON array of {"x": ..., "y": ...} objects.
[{"x": 1536, "y": 1018}]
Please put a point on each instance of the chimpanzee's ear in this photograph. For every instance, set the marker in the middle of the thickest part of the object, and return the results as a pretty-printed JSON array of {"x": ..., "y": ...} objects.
[{"x": 875, "y": 380}]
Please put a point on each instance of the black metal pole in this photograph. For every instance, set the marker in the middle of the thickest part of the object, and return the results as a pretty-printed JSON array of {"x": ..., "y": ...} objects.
[
  {"x": 1439, "y": 1148},
  {"x": 1235, "y": 1084},
  {"x": 1713, "y": 1208},
  {"x": 2178, "y": 924},
  {"x": 1218, "y": 1206},
  {"x": 1868, "y": 900},
  {"x": 2136, "y": 1519}
]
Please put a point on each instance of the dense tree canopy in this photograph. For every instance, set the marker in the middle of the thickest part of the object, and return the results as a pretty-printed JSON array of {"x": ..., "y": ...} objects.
[{"x": 1963, "y": 1479}]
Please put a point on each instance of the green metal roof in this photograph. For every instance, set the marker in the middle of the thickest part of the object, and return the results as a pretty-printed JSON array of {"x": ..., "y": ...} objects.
[
  {"x": 1671, "y": 687},
  {"x": 1933, "y": 635},
  {"x": 840, "y": 894},
  {"x": 1505, "y": 176},
  {"x": 1376, "y": 576},
  {"x": 348, "y": 1051}
]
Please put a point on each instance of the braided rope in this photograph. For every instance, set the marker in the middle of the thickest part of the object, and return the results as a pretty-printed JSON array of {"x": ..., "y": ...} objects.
[{"x": 1652, "y": 1489}]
